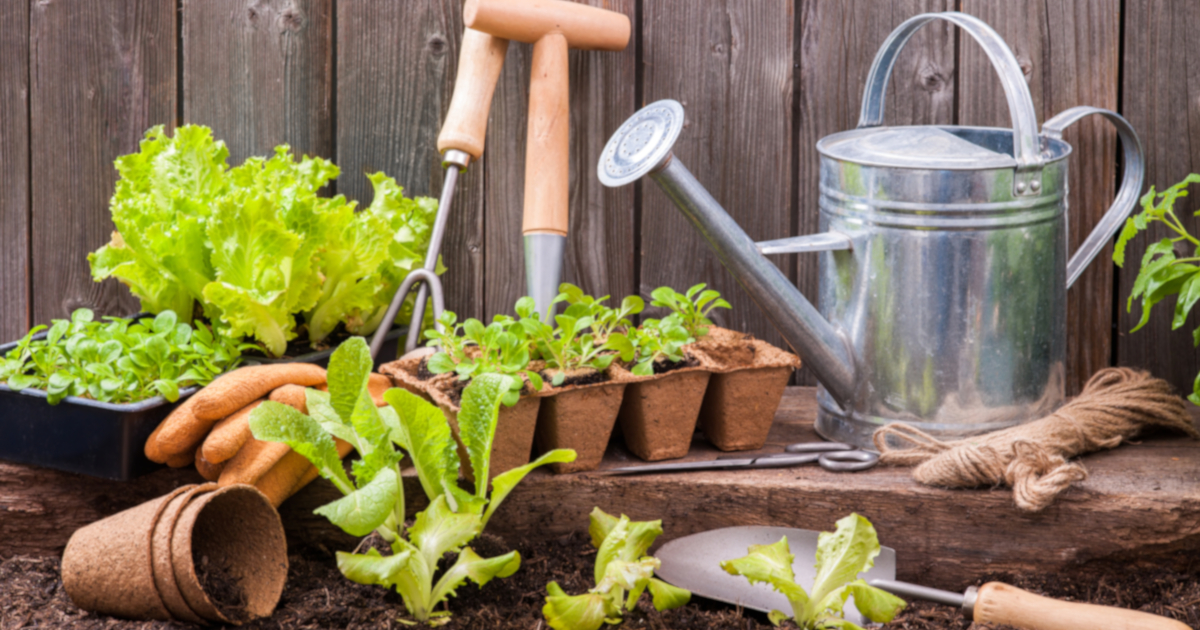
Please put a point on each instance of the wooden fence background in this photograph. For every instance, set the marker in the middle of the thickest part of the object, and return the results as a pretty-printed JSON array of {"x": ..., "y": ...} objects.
[{"x": 366, "y": 82}]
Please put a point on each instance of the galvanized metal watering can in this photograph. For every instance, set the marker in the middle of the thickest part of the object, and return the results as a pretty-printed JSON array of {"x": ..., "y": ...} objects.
[{"x": 943, "y": 255}]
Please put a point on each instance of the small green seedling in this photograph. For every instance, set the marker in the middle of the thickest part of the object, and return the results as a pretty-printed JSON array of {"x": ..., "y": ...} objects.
[
  {"x": 374, "y": 498},
  {"x": 623, "y": 573},
  {"x": 571, "y": 345},
  {"x": 119, "y": 360},
  {"x": 499, "y": 348},
  {"x": 692, "y": 307},
  {"x": 1162, "y": 273},
  {"x": 841, "y": 556},
  {"x": 658, "y": 340}
]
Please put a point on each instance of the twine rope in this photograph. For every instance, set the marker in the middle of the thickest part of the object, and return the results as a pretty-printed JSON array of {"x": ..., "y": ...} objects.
[{"x": 1033, "y": 458}]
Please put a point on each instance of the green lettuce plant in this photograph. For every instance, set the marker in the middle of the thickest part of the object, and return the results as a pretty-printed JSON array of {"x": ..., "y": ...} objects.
[
  {"x": 692, "y": 307},
  {"x": 606, "y": 320},
  {"x": 256, "y": 247},
  {"x": 1163, "y": 273},
  {"x": 374, "y": 497},
  {"x": 571, "y": 345},
  {"x": 118, "y": 360},
  {"x": 498, "y": 348},
  {"x": 841, "y": 556},
  {"x": 623, "y": 572}
]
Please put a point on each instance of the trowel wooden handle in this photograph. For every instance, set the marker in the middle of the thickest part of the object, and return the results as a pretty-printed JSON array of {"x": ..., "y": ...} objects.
[
  {"x": 479, "y": 62},
  {"x": 999, "y": 603},
  {"x": 547, "y": 145},
  {"x": 585, "y": 27}
]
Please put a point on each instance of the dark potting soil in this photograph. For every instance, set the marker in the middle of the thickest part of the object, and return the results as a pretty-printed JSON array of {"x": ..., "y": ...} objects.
[
  {"x": 222, "y": 589},
  {"x": 317, "y": 597},
  {"x": 664, "y": 366},
  {"x": 423, "y": 372},
  {"x": 583, "y": 376}
]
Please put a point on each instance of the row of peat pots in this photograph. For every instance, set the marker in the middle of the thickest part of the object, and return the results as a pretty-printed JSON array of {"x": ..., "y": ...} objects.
[{"x": 728, "y": 386}]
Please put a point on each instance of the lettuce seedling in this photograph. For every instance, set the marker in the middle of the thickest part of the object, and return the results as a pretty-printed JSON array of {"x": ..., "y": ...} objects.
[
  {"x": 623, "y": 573},
  {"x": 692, "y": 307},
  {"x": 571, "y": 345},
  {"x": 605, "y": 320},
  {"x": 1162, "y": 273},
  {"x": 658, "y": 340},
  {"x": 841, "y": 556},
  {"x": 374, "y": 497},
  {"x": 118, "y": 360},
  {"x": 499, "y": 348}
]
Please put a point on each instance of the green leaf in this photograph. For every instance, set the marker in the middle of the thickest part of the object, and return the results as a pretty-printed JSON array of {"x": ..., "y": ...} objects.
[
  {"x": 600, "y": 523},
  {"x": 479, "y": 570},
  {"x": 1189, "y": 293},
  {"x": 438, "y": 530},
  {"x": 477, "y": 423},
  {"x": 275, "y": 422},
  {"x": 348, "y": 374},
  {"x": 372, "y": 568},
  {"x": 505, "y": 482},
  {"x": 576, "y": 612},
  {"x": 875, "y": 604},
  {"x": 431, "y": 445},
  {"x": 843, "y": 554},
  {"x": 320, "y": 409},
  {"x": 667, "y": 596},
  {"x": 360, "y": 512}
]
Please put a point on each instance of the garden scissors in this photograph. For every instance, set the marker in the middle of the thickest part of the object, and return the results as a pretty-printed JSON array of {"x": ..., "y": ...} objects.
[{"x": 832, "y": 456}]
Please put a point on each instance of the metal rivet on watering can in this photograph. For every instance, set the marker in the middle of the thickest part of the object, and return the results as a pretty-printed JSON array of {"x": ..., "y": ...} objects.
[{"x": 943, "y": 263}]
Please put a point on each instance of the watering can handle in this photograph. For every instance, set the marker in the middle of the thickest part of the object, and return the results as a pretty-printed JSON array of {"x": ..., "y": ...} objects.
[
  {"x": 1127, "y": 196},
  {"x": 1020, "y": 104}
]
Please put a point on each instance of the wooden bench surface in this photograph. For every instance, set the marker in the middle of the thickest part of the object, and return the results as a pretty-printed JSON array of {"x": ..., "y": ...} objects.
[{"x": 1140, "y": 504}]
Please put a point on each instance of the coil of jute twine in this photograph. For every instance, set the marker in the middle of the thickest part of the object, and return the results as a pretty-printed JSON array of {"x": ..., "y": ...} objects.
[{"x": 1033, "y": 458}]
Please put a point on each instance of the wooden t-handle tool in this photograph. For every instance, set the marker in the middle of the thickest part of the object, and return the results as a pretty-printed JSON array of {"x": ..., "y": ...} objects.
[
  {"x": 552, "y": 26},
  {"x": 1000, "y": 603},
  {"x": 480, "y": 60}
]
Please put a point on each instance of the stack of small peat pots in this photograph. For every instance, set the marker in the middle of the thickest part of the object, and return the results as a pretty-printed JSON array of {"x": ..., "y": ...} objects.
[
  {"x": 729, "y": 386},
  {"x": 200, "y": 554}
]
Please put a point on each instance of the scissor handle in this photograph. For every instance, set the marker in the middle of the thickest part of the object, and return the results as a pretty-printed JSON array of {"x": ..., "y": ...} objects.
[{"x": 848, "y": 461}]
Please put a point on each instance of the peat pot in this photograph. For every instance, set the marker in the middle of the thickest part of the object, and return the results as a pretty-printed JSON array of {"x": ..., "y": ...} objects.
[{"x": 943, "y": 255}]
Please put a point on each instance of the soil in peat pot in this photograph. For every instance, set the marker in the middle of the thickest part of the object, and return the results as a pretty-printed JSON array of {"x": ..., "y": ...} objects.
[
  {"x": 222, "y": 589},
  {"x": 318, "y": 597}
]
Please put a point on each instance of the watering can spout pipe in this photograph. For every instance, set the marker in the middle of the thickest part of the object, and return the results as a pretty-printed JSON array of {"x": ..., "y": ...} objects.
[{"x": 802, "y": 326}]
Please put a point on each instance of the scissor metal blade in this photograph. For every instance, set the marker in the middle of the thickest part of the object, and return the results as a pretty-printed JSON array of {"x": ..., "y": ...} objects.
[{"x": 713, "y": 464}]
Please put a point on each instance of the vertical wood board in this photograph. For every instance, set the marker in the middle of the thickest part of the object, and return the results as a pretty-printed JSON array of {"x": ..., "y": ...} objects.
[
  {"x": 14, "y": 157},
  {"x": 396, "y": 65},
  {"x": 1161, "y": 99},
  {"x": 102, "y": 72},
  {"x": 729, "y": 63},
  {"x": 1069, "y": 54},
  {"x": 259, "y": 72},
  {"x": 838, "y": 42}
]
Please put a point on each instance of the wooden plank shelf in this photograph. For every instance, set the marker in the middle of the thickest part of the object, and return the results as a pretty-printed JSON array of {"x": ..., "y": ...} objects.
[{"x": 1140, "y": 505}]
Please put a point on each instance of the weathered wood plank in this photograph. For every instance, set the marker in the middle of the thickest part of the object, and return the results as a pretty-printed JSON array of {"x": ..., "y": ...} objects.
[
  {"x": 730, "y": 64},
  {"x": 396, "y": 65},
  {"x": 1141, "y": 504},
  {"x": 600, "y": 250},
  {"x": 1161, "y": 81},
  {"x": 101, "y": 73},
  {"x": 260, "y": 73},
  {"x": 838, "y": 42},
  {"x": 14, "y": 155},
  {"x": 1069, "y": 52}
]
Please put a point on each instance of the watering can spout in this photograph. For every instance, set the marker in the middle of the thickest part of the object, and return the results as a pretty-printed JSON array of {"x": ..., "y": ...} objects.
[{"x": 642, "y": 146}]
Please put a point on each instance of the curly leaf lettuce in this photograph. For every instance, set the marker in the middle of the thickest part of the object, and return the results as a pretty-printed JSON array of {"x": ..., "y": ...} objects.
[{"x": 841, "y": 556}]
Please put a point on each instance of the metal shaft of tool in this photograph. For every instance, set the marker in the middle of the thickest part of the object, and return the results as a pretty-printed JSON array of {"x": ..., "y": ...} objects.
[
  {"x": 826, "y": 354},
  {"x": 431, "y": 257},
  {"x": 454, "y": 161},
  {"x": 907, "y": 590}
]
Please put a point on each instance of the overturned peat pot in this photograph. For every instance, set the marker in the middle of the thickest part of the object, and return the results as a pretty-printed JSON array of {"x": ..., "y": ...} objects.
[{"x": 317, "y": 596}]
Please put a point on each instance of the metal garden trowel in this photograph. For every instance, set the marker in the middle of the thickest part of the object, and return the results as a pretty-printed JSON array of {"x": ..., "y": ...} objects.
[{"x": 694, "y": 562}]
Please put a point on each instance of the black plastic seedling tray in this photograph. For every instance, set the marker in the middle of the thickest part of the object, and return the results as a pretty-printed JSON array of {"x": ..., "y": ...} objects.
[{"x": 79, "y": 434}]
